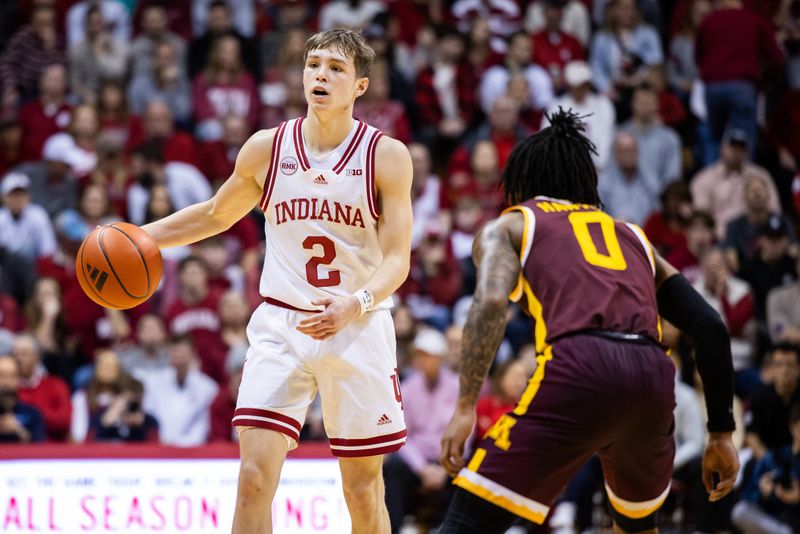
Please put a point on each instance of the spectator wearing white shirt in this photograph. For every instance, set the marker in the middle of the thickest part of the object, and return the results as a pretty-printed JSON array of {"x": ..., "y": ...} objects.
[
  {"x": 427, "y": 192},
  {"x": 348, "y": 13},
  {"x": 25, "y": 228},
  {"x": 185, "y": 183},
  {"x": 180, "y": 397},
  {"x": 596, "y": 110},
  {"x": 115, "y": 17},
  {"x": 99, "y": 56},
  {"x": 575, "y": 21},
  {"x": 518, "y": 58}
]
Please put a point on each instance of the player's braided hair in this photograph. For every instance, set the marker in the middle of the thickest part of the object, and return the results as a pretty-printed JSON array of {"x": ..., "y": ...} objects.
[{"x": 555, "y": 162}]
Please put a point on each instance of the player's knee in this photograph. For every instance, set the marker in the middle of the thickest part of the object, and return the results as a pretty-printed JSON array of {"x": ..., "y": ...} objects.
[
  {"x": 253, "y": 479},
  {"x": 363, "y": 492}
]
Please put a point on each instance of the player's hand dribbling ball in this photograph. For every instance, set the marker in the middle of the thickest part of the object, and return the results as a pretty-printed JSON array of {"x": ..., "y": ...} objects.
[{"x": 118, "y": 265}]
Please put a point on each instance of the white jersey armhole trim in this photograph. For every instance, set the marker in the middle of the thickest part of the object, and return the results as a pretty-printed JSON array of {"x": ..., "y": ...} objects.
[{"x": 648, "y": 250}]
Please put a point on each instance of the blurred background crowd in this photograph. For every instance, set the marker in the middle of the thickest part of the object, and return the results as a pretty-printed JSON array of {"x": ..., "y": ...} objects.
[{"x": 131, "y": 109}]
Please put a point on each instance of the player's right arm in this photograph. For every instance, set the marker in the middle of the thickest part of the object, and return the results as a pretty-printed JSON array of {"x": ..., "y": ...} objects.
[
  {"x": 681, "y": 305},
  {"x": 496, "y": 255},
  {"x": 234, "y": 199}
]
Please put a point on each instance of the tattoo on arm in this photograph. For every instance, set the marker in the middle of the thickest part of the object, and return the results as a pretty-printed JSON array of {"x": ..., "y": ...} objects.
[{"x": 498, "y": 271}]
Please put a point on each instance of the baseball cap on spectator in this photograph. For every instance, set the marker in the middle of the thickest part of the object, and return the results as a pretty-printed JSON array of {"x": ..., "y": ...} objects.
[
  {"x": 57, "y": 148},
  {"x": 14, "y": 181},
  {"x": 736, "y": 136},
  {"x": 577, "y": 73},
  {"x": 775, "y": 227},
  {"x": 431, "y": 342}
]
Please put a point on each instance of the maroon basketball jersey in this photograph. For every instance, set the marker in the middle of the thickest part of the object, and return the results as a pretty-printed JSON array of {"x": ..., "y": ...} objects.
[{"x": 583, "y": 270}]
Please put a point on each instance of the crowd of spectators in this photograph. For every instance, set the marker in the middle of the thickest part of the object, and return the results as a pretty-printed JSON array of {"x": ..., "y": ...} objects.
[{"x": 131, "y": 109}]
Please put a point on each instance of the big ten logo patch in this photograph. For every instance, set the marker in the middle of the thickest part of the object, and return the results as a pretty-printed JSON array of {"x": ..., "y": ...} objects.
[
  {"x": 353, "y": 172},
  {"x": 289, "y": 165}
]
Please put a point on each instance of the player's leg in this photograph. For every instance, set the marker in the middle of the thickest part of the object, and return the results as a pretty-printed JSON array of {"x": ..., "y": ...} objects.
[
  {"x": 637, "y": 466},
  {"x": 262, "y": 455},
  {"x": 274, "y": 395},
  {"x": 530, "y": 454},
  {"x": 469, "y": 514},
  {"x": 362, "y": 411},
  {"x": 362, "y": 481}
]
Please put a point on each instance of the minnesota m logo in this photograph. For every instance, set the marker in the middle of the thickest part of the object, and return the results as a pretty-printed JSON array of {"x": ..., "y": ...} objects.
[
  {"x": 500, "y": 431},
  {"x": 97, "y": 277}
]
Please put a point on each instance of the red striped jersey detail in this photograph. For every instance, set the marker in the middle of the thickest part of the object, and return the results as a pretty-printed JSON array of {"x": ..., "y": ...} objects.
[
  {"x": 298, "y": 144},
  {"x": 370, "y": 175},
  {"x": 342, "y": 442},
  {"x": 269, "y": 414},
  {"x": 351, "y": 148},
  {"x": 273, "y": 167}
]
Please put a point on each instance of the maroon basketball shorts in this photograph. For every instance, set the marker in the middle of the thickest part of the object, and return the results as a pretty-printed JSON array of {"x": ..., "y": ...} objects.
[{"x": 588, "y": 395}]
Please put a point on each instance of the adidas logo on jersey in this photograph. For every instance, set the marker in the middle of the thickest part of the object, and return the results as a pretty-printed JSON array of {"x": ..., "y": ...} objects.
[
  {"x": 384, "y": 420},
  {"x": 320, "y": 180}
]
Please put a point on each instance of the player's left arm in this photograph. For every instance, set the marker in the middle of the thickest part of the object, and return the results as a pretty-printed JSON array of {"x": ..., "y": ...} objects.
[
  {"x": 681, "y": 305},
  {"x": 496, "y": 255},
  {"x": 393, "y": 175}
]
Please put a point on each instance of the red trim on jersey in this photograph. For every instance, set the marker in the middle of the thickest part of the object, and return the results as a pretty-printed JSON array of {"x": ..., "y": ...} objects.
[
  {"x": 342, "y": 442},
  {"x": 359, "y": 453},
  {"x": 273, "y": 167},
  {"x": 268, "y": 426},
  {"x": 270, "y": 415},
  {"x": 299, "y": 146},
  {"x": 370, "y": 174},
  {"x": 351, "y": 148},
  {"x": 281, "y": 304}
]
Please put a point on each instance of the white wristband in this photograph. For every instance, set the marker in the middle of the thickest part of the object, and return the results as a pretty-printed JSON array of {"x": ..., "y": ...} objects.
[{"x": 365, "y": 299}]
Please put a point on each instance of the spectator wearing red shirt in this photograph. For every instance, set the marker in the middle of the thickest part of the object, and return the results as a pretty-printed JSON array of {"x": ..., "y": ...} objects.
[
  {"x": 49, "y": 394},
  {"x": 665, "y": 227},
  {"x": 225, "y": 403},
  {"x": 552, "y": 47},
  {"x": 479, "y": 51},
  {"x": 731, "y": 67},
  {"x": 27, "y": 54},
  {"x": 446, "y": 91},
  {"x": 376, "y": 109},
  {"x": 508, "y": 382},
  {"x": 47, "y": 115},
  {"x": 196, "y": 313},
  {"x": 223, "y": 88},
  {"x": 434, "y": 281},
  {"x": 159, "y": 128},
  {"x": 117, "y": 124},
  {"x": 219, "y": 157},
  {"x": 502, "y": 127},
  {"x": 699, "y": 239}
]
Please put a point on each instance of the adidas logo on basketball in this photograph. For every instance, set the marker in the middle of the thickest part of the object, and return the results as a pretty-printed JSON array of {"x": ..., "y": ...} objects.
[
  {"x": 384, "y": 420},
  {"x": 320, "y": 180}
]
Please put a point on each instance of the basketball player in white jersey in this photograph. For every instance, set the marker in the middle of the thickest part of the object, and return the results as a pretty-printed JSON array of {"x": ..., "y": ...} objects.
[{"x": 336, "y": 197}]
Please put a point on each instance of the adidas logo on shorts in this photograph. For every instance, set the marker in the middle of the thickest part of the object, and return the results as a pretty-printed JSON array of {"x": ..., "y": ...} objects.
[{"x": 384, "y": 420}]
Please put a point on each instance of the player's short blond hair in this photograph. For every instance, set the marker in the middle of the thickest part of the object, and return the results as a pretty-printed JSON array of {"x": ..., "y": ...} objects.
[{"x": 349, "y": 42}]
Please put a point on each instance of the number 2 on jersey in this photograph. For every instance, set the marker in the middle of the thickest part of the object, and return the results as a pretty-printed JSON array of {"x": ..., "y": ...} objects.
[
  {"x": 613, "y": 259},
  {"x": 334, "y": 278}
]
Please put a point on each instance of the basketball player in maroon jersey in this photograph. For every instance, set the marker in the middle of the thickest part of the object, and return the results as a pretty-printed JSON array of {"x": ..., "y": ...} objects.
[{"x": 603, "y": 384}]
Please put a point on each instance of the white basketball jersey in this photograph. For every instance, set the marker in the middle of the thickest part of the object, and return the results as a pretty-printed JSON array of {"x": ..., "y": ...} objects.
[{"x": 321, "y": 218}]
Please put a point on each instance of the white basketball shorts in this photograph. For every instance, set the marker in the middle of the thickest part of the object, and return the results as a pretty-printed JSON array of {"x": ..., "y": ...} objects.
[{"x": 354, "y": 371}]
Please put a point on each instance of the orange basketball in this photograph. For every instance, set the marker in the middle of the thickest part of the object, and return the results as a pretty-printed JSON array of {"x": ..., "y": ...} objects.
[{"x": 118, "y": 265}]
